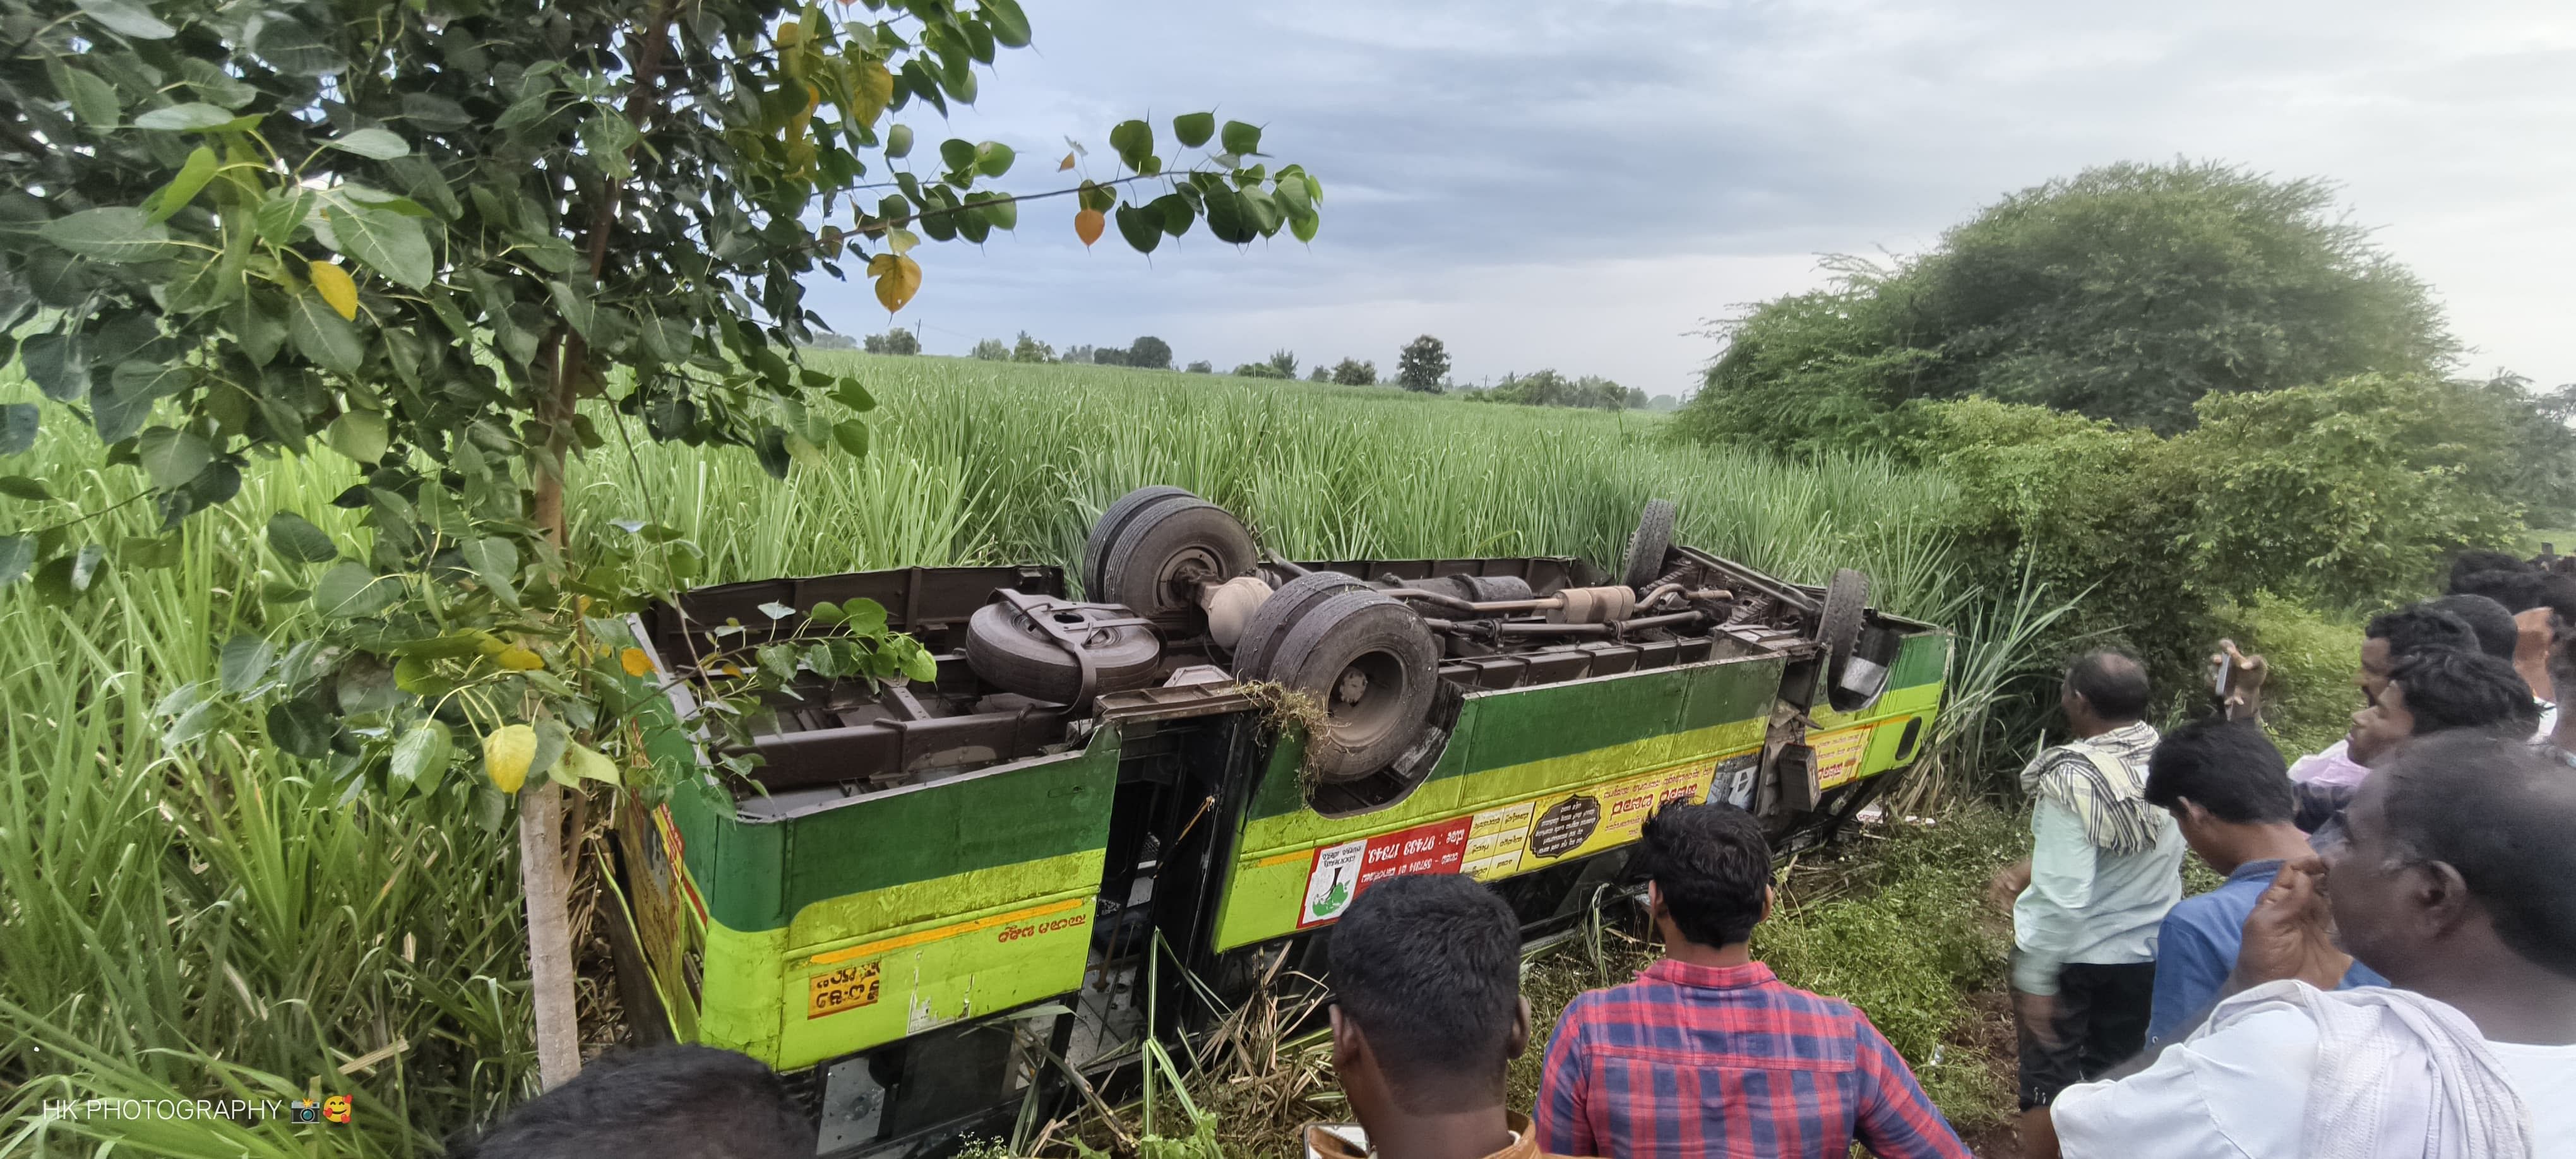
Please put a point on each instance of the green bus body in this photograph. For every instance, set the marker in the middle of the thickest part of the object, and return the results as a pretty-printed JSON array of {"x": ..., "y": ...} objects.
[{"x": 804, "y": 933}]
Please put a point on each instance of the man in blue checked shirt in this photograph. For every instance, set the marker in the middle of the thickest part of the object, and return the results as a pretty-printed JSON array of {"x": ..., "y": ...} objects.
[{"x": 2229, "y": 791}]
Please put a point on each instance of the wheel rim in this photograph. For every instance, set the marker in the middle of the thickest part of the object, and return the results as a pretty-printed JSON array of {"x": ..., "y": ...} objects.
[
  {"x": 1184, "y": 572},
  {"x": 1364, "y": 701}
]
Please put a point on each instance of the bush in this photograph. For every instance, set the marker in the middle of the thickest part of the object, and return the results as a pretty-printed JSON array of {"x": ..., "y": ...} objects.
[
  {"x": 992, "y": 350},
  {"x": 1029, "y": 349},
  {"x": 1201, "y": 367},
  {"x": 1352, "y": 372},
  {"x": 1260, "y": 370}
]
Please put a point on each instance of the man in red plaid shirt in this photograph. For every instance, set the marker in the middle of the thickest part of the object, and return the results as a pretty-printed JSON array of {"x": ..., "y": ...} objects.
[{"x": 1707, "y": 1053}]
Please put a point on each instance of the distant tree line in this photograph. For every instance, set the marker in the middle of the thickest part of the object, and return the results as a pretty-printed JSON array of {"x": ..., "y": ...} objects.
[
  {"x": 1548, "y": 388},
  {"x": 1145, "y": 353}
]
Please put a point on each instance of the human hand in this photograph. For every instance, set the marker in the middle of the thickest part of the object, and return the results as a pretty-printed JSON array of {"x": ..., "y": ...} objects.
[
  {"x": 2008, "y": 884},
  {"x": 2290, "y": 934},
  {"x": 2245, "y": 675},
  {"x": 2037, "y": 1014}
]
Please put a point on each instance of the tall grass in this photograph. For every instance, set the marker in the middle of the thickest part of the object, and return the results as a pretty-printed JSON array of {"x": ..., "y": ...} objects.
[{"x": 231, "y": 919}]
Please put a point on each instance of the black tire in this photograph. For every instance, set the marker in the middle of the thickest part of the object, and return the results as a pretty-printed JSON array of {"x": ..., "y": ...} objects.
[
  {"x": 1647, "y": 544},
  {"x": 1838, "y": 626},
  {"x": 1156, "y": 561},
  {"x": 1373, "y": 664},
  {"x": 1104, "y": 530},
  {"x": 1270, "y": 622},
  {"x": 1008, "y": 653}
]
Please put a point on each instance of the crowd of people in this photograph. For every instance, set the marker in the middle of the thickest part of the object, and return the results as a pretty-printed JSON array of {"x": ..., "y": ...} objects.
[{"x": 2388, "y": 968}]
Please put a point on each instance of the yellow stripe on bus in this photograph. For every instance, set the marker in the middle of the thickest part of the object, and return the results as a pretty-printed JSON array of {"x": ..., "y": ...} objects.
[{"x": 918, "y": 937}]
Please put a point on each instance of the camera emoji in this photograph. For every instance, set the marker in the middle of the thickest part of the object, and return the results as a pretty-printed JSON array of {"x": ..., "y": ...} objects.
[{"x": 304, "y": 1111}]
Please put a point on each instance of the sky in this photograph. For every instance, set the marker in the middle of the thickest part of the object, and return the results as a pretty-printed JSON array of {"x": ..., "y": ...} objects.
[{"x": 1585, "y": 186}]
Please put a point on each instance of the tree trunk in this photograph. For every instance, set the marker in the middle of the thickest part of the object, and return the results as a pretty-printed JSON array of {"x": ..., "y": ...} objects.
[{"x": 550, "y": 973}]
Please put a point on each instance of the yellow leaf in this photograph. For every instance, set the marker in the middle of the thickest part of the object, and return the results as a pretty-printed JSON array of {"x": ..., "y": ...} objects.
[
  {"x": 1088, "y": 224},
  {"x": 898, "y": 279},
  {"x": 334, "y": 285},
  {"x": 1068, "y": 163},
  {"x": 635, "y": 662},
  {"x": 517, "y": 658},
  {"x": 506, "y": 755},
  {"x": 789, "y": 32},
  {"x": 872, "y": 88}
]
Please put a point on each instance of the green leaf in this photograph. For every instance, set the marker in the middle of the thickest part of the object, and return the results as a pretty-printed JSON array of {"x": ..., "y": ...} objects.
[
  {"x": 1242, "y": 139},
  {"x": 58, "y": 365},
  {"x": 585, "y": 763},
  {"x": 1304, "y": 227},
  {"x": 172, "y": 457},
  {"x": 22, "y": 487},
  {"x": 993, "y": 158},
  {"x": 919, "y": 665},
  {"x": 120, "y": 411},
  {"x": 1193, "y": 129},
  {"x": 17, "y": 554},
  {"x": 1134, "y": 141},
  {"x": 278, "y": 217},
  {"x": 854, "y": 396},
  {"x": 291, "y": 48},
  {"x": 362, "y": 435},
  {"x": 898, "y": 142},
  {"x": 389, "y": 243},
  {"x": 958, "y": 155},
  {"x": 294, "y": 538},
  {"x": 496, "y": 561},
  {"x": 17, "y": 427},
  {"x": 321, "y": 334},
  {"x": 853, "y": 437},
  {"x": 92, "y": 98},
  {"x": 434, "y": 112},
  {"x": 420, "y": 757},
  {"x": 548, "y": 761},
  {"x": 570, "y": 303},
  {"x": 195, "y": 116},
  {"x": 1229, "y": 218},
  {"x": 183, "y": 188},
  {"x": 1175, "y": 211},
  {"x": 245, "y": 662},
  {"x": 1010, "y": 25},
  {"x": 1143, "y": 228},
  {"x": 128, "y": 18},
  {"x": 299, "y": 728},
  {"x": 351, "y": 590},
  {"x": 118, "y": 233},
  {"x": 380, "y": 144},
  {"x": 191, "y": 711}
]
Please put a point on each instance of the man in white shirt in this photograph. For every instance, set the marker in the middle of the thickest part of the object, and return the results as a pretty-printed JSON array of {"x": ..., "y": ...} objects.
[
  {"x": 2105, "y": 868},
  {"x": 2450, "y": 874}
]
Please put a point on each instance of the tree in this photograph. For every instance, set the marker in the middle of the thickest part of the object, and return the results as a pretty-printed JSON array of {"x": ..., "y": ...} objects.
[
  {"x": 1029, "y": 349},
  {"x": 1201, "y": 367},
  {"x": 442, "y": 239},
  {"x": 1078, "y": 355},
  {"x": 827, "y": 340},
  {"x": 1108, "y": 355},
  {"x": 1422, "y": 365},
  {"x": 1321, "y": 373},
  {"x": 1150, "y": 353},
  {"x": 1285, "y": 362},
  {"x": 992, "y": 350},
  {"x": 1260, "y": 370},
  {"x": 897, "y": 341},
  {"x": 2127, "y": 292},
  {"x": 1352, "y": 372}
]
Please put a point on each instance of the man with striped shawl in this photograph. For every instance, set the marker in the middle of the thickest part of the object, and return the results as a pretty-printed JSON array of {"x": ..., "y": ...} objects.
[{"x": 2105, "y": 866}]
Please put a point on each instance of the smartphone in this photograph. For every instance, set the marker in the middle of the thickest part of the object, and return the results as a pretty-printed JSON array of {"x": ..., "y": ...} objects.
[{"x": 2218, "y": 678}]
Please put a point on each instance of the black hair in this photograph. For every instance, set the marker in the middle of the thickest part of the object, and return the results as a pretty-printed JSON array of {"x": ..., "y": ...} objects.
[
  {"x": 2493, "y": 623},
  {"x": 2521, "y": 591},
  {"x": 1712, "y": 866},
  {"x": 2470, "y": 563},
  {"x": 2113, "y": 682},
  {"x": 671, "y": 1102},
  {"x": 2447, "y": 688},
  {"x": 2421, "y": 628},
  {"x": 2225, "y": 766},
  {"x": 2498, "y": 811},
  {"x": 1429, "y": 965}
]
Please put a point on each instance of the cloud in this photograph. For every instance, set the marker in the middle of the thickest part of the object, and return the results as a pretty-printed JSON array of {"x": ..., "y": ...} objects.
[{"x": 1578, "y": 186}]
